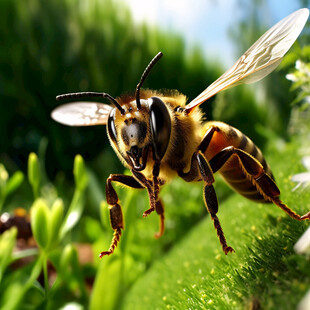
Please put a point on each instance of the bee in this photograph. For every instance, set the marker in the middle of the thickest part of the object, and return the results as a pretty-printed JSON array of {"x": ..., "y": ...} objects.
[{"x": 157, "y": 136}]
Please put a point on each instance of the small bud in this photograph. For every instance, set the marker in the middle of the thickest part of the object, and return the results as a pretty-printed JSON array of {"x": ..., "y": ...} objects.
[
  {"x": 40, "y": 217},
  {"x": 3, "y": 173},
  {"x": 55, "y": 222},
  {"x": 14, "y": 182},
  {"x": 69, "y": 255},
  {"x": 7, "y": 243},
  {"x": 79, "y": 171},
  {"x": 34, "y": 173}
]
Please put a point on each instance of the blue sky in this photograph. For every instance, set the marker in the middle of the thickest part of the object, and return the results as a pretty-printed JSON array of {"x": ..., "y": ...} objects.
[{"x": 204, "y": 22}]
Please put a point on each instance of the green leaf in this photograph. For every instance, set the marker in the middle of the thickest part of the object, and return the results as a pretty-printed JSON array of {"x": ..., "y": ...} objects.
[
  {"x": 70, "y": 270},
  {"x": 79, "y": 171},
  {"x": 77, "y": 204},
  {"x": 105, "y": 293},
  {"x": 3, "y": 175},
  {"x": 3, "y": 184},
  {"x": 67, "y": 255},
  {"x": 13, "y": 294},
  {"x": 40, "y": 217},
  {"x": 55, "y": 223},
  {"x": 14, "y": 182},
  {"x": 104, "y": 214},
  {"x": 7, "y": 243},
  {"x": 74, "y": 213}
]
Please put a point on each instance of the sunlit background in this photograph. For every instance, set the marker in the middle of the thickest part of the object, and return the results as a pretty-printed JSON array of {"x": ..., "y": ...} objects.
[
  {"x": 54, "y": 47},
  {"x": 209, "y": 24}
]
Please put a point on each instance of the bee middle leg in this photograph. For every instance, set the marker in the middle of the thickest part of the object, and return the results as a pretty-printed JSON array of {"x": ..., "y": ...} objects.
[
  {"x": 200, "y": 168},
  {"x": 156, "y": 203},
  {"x": 151, "y": 186}
]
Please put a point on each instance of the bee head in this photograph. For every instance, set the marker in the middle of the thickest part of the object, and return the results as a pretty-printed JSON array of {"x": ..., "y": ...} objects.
[
  {"x": 135, "y": 126},
  {"x": 141, "y": 130},
  {"x": 140, "y": 125}
]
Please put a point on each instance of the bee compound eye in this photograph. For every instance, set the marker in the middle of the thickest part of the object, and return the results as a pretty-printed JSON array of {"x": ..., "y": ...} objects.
[
  {"x": 160, "y": 123},
  {"x": 111, "y": 126}
]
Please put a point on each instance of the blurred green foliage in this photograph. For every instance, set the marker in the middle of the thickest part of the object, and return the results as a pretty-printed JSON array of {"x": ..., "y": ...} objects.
[
  {"x": 54, "y": 272},
  {"x": 8, "y": 184},
  {"x": 50, "y": 227},
  {"x": 54, "y": 47}
]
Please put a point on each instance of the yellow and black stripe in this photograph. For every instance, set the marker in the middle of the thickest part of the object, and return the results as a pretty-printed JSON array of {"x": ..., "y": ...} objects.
[{"x": 232, "y": 170}]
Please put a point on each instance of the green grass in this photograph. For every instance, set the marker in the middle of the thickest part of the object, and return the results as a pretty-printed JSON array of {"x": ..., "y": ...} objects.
[{"x": 264, "y": 270}]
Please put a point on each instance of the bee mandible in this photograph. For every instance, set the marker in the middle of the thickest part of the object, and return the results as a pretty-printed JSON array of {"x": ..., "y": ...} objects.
[{"x": 157, "y": 136}]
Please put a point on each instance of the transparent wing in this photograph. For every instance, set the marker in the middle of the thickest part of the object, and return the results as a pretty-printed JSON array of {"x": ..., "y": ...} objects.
[
  {"x": 260, "y": 59},
  {"x": 82, "y": 114}
]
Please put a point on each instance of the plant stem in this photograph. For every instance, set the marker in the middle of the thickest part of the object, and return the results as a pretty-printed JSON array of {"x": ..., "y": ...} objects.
[{"x": 45, "y": 274}]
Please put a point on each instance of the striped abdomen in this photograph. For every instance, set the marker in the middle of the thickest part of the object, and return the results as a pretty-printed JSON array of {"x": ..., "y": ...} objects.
[{"x": 232, "y": 170}]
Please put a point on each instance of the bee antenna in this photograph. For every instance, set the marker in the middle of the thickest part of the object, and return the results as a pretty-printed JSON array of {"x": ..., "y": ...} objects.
[
  {"x": 91, "y": 94},
  {"x": 144, "y": 76}
]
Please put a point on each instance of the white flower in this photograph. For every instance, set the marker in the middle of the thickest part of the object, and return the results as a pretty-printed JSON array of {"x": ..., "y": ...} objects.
[
  {"x": 307, "y": 99},
  {"x": 299, "y": 65},
  {"x": 302, "y": 246},
  {"x": 305, "y": 303},
  {"x": 303, "y": 179},
  {"x": 291, "y": 77}
]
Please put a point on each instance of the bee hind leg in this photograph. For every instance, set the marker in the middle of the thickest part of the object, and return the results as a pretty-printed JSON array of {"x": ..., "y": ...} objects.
[{"x": 256, "y": 173}]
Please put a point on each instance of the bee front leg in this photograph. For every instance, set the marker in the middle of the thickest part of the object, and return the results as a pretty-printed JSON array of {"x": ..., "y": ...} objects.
[
  {"x": 200, "y": 168},
  {"x": 116, "y": 215}
]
